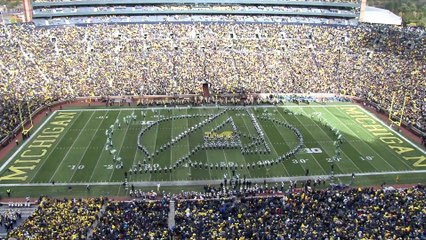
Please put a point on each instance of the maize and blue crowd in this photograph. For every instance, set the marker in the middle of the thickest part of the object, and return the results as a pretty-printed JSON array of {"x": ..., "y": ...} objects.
[
  {"x": 265, "y": 213},
  {"x": 60, "y": 219},
  {"x": 379, "y": 64}
]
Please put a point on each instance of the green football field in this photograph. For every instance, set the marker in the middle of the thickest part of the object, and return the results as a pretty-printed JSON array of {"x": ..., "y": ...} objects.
[{"x": 194, "y": 145}]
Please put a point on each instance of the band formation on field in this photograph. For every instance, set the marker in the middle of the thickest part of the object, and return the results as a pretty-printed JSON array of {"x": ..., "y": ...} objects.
[{"x": 185, "y": 145}]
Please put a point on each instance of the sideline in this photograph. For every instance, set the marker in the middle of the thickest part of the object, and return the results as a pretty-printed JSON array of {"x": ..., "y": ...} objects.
[{"x": 207, "y": 182}]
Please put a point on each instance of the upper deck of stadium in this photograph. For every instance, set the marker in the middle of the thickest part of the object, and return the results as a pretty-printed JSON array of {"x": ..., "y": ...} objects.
[
  {"x": 265, "y": 2},
  {"x": 43, "y": 10}
]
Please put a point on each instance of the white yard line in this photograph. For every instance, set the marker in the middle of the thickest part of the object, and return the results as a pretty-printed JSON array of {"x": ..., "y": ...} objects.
[
  {"x": 121, "y": 147},
  {"x": 333, "y": 144},
  {"x": 171, "y": 149},
  {"x": 226, "y": 160},
  {"x": 69, "y": 150},
  {"x": 354, "y": 134},
  {"x": 312, "y": 155},
  {"x": 272, "y": 147},
  {"x": 134, "y": 161},
  {"x": 56, "y": 144},
  {"x": 224, "y": 154},
  {"x": 242, "y": 117},
  {"x": 155, "y": 146},
  {"x": 24, "y": 143},
  {"x": 102, "y": 153},
  {"x": 91, "y": 139},
  {"x": 217, "y": 181},
  {"x": 188, "y": 146}
]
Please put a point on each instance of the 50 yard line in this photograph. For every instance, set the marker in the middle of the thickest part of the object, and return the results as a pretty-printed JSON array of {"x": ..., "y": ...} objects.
[{"x": 272, "y": 147}]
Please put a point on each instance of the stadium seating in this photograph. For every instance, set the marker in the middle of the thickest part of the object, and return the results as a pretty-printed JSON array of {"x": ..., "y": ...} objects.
[
  {"x": 373, "y": 62},
  {"x": 60, "y": 219},
  {"x": 9, "y": 219},
  {"x": 355, "y": 213},
  {"x": 134, "y": 220}
]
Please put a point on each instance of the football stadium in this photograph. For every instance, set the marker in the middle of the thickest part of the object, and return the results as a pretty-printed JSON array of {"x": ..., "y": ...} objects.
[{"x": 244, "y": 119}]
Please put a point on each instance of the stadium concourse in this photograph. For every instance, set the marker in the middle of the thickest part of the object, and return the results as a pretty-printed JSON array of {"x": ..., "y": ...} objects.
[
  {"x": 379, "y": 64},
  {"x": 238, "y": 212}
]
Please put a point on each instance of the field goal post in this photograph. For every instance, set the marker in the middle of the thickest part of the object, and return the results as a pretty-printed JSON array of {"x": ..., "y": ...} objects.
[
  {"x": 393, "y": 114},
  {"x": 21, "y": 117}
]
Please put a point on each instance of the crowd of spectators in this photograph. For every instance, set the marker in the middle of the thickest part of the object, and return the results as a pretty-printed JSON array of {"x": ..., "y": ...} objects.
[
  {"x": 322, "y": 214},
  {"x": 60, "y": 219},
  {"x": 199, "y": 18},
  {"x": 264, "y": 213},
  {"x": 134, "y": 220},
  {"x": 373, "y": 62},
  {"x": 9, "y": 218}
]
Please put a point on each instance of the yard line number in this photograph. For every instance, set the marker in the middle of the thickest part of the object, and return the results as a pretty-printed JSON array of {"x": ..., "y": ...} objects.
[
  {"x": 112, "y": 166},
  {"x": 336, "y": 159},
  {"x": 76, "y": 167},
  {"x": 366, "y": 158},
  {"x": 312, "y": 150},
  {"x": 299, "y": 161}
]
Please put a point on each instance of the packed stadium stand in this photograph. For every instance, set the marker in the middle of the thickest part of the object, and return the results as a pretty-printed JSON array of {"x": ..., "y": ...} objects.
[
  {"x": 258, "y": 212},
  {"x": 134, "y": 220},
  {"x": 60, "y": 219},
  {"x": 372, "y": 62},
  {"x": 353, "y": 214},
  {"x": 14, "y": 214}
]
